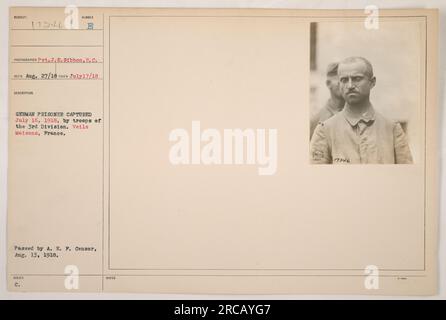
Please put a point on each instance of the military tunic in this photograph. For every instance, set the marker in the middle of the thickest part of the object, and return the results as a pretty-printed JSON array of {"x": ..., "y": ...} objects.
[
  {"x": 328, "y": 111},
  {"x": 369, "y": 138}
]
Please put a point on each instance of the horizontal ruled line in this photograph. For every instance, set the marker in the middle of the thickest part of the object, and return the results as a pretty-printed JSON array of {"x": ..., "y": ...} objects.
[
  {"x": 56, "y": 46},
  {"x": 57, "y": 62},
  {"x": 52, "y": 79},
  {"x": 219, "y": 275},
  {"x": 55, "y": 29}
]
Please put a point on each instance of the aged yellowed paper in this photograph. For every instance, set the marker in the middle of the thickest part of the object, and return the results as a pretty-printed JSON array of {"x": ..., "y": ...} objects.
[{"x": 223, "y": 151}]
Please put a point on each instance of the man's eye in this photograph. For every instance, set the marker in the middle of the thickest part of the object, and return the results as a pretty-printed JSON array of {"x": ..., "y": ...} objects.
[
  {"x": 343, "y": 80},
  {"x": 357, "y": 79}
]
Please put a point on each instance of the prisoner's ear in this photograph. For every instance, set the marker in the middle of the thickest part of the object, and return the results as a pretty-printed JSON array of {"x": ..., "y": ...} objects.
[
  {"x": 373, "y": 81},
  {"x": 327, "y": 82}
]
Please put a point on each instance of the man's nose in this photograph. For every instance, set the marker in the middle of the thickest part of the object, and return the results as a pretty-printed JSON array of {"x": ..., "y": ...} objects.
[{"x": 349, "y": 83}]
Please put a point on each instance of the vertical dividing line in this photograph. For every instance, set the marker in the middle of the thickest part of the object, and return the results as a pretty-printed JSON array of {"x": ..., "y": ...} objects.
[
  {"x": 109, "y": 137},
  {"x": 103, "y": 149}
]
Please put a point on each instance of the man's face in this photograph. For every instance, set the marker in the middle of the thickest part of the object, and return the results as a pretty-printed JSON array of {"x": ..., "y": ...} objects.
[
  {"x": 333, "y": 86},
  {"x": 355, "y": 83}
]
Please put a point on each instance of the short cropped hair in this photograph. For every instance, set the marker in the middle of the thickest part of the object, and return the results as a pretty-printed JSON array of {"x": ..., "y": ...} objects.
[{"x": 369, "y": 68}]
